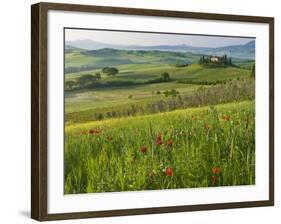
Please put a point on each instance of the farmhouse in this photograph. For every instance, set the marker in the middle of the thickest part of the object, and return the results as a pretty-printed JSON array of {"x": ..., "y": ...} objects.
[{"x": 215, "y": 59}]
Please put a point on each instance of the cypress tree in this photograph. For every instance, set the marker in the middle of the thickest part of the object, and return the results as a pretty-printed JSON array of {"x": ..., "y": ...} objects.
[{"x": 253, "y": 73}]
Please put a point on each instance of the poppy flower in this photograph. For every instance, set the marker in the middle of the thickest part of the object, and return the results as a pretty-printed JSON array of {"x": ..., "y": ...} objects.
[
  {"x": 170, "y": 143},
  {"x": 95, "y": 132},
  {"x": 214, "y": 179},
  {"x": 169, "y": 172},
  {"x": 159, "y": 137},
  {"x": 216, "y": 170},
  {"x": 98, "y": 131},
  {"x": 159, "y": 140},
  {"x": 143, "y": 149},
  {"x": 226, "y": 117}
]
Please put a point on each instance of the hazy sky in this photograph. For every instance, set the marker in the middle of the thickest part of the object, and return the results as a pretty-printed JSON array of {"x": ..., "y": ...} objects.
[{"x": 148, "y": 39}]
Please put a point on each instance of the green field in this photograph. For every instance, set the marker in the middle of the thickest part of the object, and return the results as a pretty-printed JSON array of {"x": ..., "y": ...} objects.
[
  {"x": 101, "y": 58},
  {"x": 94, "y": 98},
  {"x": 99, "y": 98},
  {"x": 143, "y": 72},
  {"x": 135, "y": 131},
  {"x": 109, "y": 155}
]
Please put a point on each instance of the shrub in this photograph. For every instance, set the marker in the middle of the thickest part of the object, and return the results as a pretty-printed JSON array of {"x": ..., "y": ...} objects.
[{"x": 110, "y": 71}]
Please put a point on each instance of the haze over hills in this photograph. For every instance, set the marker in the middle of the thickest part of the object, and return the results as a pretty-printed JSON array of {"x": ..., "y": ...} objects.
[{"x": 245, "y": 51}]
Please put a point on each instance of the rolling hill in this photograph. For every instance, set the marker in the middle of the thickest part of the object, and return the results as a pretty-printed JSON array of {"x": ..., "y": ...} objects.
[
  {"x": 245, "y": 51},
  {"x": 77, "y": 59},
  {"x": 96, "y": 59}
]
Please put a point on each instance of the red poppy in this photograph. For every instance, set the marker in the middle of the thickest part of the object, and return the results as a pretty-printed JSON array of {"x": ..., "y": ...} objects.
[
  {"x": 98, "y": 131},
  {"x": 170, "y": 143},
  {"x": 226, "y": 117},
  {"x": 143, "y": 149},
  {"x": 95, "y": 132},
  {"x": 109, "y": 138},
  {"x": 169, "y": 171},
  {"x": 214, "y": 179},
  {"x": 216, "y": 170},
  {"x": 159, "y": 137},
  {"x": 159, "y": 140}
]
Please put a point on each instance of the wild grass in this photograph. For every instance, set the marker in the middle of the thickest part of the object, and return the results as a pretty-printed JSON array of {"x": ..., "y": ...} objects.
[{"x": 190, "y": 148}]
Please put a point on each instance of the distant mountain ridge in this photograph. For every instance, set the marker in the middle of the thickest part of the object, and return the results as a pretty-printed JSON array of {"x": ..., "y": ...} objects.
[{"x": 245, "y": 51}]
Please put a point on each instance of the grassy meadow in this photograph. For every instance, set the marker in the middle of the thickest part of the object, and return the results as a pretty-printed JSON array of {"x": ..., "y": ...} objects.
[
  {"x": 141, "y": 129},
  {"x": 136, "y": 153}
]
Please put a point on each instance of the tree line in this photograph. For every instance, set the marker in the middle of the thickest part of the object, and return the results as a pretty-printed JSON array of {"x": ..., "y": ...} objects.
[
  {"x": 217, "y": 62},
  {"x": 88, "y": 81},
  {"x": 235, "y": 90}
]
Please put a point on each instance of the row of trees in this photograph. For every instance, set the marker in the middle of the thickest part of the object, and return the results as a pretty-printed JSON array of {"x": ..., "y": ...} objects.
[
  {"x": 164, "y": 77},
  {"x": 235, "y": 90},
  {"x": 88, "y": 80},
  {"x": 82, "y": 81},
  {"x": 93, "y": 80}
]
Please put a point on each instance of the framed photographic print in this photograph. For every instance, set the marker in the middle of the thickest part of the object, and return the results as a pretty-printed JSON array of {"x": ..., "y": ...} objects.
[{"x": 138, "y": 111}]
